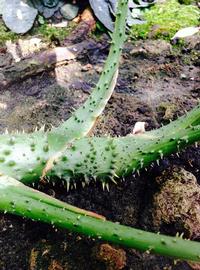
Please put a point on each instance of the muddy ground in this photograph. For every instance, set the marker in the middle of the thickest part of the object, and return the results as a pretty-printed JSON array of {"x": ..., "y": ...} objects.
[{"x": 156, "y": 83}]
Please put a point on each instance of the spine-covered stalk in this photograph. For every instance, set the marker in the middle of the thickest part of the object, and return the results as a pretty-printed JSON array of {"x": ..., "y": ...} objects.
[
  {"x": 103, "y": 158},
  {"x": 108, "y": 158},
  {"x": 24, "y": 201},
  {"x": 27, "y": 157},
  {"x": 83, "y": 119}
]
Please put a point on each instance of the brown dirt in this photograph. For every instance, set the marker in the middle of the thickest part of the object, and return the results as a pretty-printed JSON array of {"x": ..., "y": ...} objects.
[{"x": 151, "y": 85}]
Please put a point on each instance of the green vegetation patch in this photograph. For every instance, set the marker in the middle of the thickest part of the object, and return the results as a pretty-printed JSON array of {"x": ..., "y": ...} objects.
[
  {"x": 50, "y": 32},
  {"x": 46, "y": 31},
  {"x": 5, "y": 34},
  {"x": 164, "y": 19}
]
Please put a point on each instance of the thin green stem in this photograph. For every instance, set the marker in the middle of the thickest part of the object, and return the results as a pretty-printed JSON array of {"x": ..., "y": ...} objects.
[
  {"x": 24, "y": 201},
  {"x": 83, "y": 119}
]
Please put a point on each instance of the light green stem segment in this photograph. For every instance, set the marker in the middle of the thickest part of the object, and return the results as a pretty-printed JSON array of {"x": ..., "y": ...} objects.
[
  {"x": 83, "y": 119},
  {"x": 24, "y": 201},
  {"x": 107, "y": 158},
  {"x": 24, "y": 156}
]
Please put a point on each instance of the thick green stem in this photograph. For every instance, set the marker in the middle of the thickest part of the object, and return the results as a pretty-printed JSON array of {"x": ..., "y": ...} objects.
[
  {"x": 107, "y": 158},
  {"x": 25, "y": 157},
  {"x": 24, "y": 201}
]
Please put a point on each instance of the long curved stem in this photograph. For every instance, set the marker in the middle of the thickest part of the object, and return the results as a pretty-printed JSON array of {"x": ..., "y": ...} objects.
[
  {"x": 83, "y": 119},
  {"x": 21, "y": 200}
]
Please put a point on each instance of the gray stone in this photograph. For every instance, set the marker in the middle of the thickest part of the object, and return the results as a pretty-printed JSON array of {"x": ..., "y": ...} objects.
[
  {"x": 5, "y": 60},
  {"x": 49, "y": 12},
  {"x": 50, "y": 3},
  {"x": 38, "y": 5},
  {"x": 193, "y": 42},
  {"x": 46, "y": 10},
  {"x": 69, "y": 11},
  {"x": 1, "y": 6},
  {"x": 177, "y": 202},
  {"x": 151, "y": 48},
  {"x": 19, "y": 15}
]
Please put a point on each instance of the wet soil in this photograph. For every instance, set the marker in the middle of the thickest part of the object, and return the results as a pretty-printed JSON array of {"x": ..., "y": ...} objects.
[{"x": 153, "y": 86}]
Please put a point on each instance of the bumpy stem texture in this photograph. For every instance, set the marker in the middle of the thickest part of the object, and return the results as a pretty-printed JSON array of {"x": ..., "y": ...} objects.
[
  {"x": 108, "y": 158},
  {"x": 21, "y": 200},
  {"x": 83, "y": 119},
  {"x": 24, "y": 156}
]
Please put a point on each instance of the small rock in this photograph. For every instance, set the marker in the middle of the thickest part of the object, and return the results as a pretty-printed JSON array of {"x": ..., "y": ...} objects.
[
  {"x": 193, "y": 42},
  {"x": 24, "y": 47},
  {"x": 87, "y": 67},
  {"x": 2, "y": 2},
  {"x": 99, "y": 69},
  {"x": 50, "y": 3},
  {"x": 139, "y": 128},
  {"x": 151, "y": 48},
  {"x": 19, "y": 15},
  {"x": 5, "y": 60},
  {"x": 186, "y": 32},
  {"x": 178, "y": 202},
  {"x": 183, "y": 76},
  {"x": 114, "y": 258},
  {"x": 58, "y": 16},
  {"x": 62, "y": 24},
  {"x": 47, "y": 11},
  {"x": 69, "y": 11}
]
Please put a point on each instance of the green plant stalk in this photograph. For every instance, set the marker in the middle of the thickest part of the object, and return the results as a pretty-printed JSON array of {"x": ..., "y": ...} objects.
[
  {"x": 108, "y": 158},
  {"x": 21, "y": 200},
  {"x": 83, "y": 119},
  {"x": 37, "y": 148},
  {"x": 27, "y": 157},
  {"x": 104, "y": 158}
]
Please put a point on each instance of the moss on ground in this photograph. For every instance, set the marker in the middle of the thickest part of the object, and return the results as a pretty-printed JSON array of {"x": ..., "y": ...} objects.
[
  {"x": 5, "y": 34},
  {"x": 164, "y": 19},
  {"x": 50, "y": 32},
  {"x": 46, "y": 31}
]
